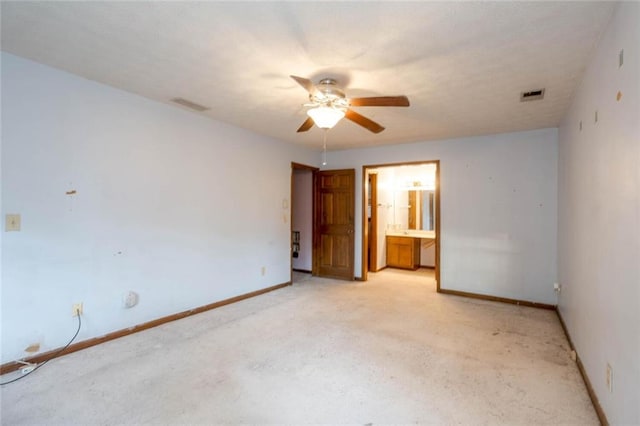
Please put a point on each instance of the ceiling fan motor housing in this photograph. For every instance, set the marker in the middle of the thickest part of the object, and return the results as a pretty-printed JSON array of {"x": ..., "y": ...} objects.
[{"x": 328, "y": 93}]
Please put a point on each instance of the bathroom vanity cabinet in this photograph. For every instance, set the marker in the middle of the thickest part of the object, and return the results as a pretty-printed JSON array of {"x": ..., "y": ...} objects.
[{"x": 403, "y": 252}]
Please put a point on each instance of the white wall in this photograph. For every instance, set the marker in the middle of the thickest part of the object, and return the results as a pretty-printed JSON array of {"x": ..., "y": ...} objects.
[
  {"x": 303, "y": 217},
  {"x": 599, "y": 218},
  {"x": 498, "y": 211},
  {"x": 177, "y": 207}
]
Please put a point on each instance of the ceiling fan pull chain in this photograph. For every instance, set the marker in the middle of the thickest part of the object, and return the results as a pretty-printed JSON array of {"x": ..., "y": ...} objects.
[{"x": 324, "y": 148}]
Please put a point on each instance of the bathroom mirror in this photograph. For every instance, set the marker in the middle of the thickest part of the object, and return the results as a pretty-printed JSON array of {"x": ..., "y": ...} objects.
[
  {"x": 421, "y": 211},
  {"x": 408, "y": 193}
]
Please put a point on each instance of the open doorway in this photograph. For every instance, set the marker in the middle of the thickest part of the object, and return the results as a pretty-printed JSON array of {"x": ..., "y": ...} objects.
[
  {"x": 301, "y": 221},
  {"x": 322, "y": 223},
  {"x": 401, "y": 217}
]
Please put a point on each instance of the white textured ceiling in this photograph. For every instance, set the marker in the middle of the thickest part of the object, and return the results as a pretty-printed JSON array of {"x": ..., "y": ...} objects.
[{"x": 462, "y": 65}]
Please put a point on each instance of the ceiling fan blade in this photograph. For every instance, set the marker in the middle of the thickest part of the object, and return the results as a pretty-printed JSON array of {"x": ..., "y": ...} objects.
[
  {"x": 305, "y": 83},
  {"x": 306, "y": 125},
  {"x": 390, "y": 101},
  {"x": 363, "y": 121}
]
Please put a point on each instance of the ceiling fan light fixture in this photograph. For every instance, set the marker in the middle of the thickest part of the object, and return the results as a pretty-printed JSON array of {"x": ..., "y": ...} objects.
[
  {"x": 325, "y": 117},
  {"x": 329, "y": 105}
]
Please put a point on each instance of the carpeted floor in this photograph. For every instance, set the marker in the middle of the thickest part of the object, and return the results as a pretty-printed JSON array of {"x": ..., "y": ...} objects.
[{"x": 390, "y": 350}]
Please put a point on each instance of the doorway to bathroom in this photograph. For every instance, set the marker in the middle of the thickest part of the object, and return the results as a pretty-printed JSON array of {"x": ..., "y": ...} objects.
[{"x": 401, "y": 217}]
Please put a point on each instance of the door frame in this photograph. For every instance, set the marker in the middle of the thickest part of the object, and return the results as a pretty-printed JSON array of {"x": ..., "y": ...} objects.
[
  {"x": 372, "y": 256},
  {"x": 365, "y": 230},
  {"x": 313, "y": 170}
]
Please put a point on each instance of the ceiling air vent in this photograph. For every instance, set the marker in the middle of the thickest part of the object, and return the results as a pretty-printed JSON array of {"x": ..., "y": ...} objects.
[
  {"x": 191, "y": 105},
  {"x": 532, "y": 95}
]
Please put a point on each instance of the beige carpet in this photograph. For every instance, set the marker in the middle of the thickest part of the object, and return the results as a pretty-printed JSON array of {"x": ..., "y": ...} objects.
[{"x": 390, "y": 350}]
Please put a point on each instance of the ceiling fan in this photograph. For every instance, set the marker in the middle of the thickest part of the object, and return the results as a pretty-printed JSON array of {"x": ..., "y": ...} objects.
[{"x": 329, "y": 105}]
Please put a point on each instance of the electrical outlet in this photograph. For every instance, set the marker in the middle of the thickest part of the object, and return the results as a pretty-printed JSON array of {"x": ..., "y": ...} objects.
[
  {"x": 609, "y": 377},
  {"x": 76, "y": 309},
  {"x": 263, "y": 270},
  {"x": 557, "y": 287}
]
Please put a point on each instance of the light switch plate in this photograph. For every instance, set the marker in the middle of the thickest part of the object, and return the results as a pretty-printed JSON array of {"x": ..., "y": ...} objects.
[{"x": 12, "y": 222}]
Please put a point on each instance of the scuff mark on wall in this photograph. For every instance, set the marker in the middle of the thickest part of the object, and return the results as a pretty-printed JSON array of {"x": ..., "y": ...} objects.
[{"x": 34, "y": 347}]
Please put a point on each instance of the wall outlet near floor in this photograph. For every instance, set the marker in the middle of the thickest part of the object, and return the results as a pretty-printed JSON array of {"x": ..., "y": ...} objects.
[
  {"x": 76, "y": 309},
  {"x": 263, "y": 270},
  {"x": 609, "y": 377},
  {"x": 557, "y": 287}
]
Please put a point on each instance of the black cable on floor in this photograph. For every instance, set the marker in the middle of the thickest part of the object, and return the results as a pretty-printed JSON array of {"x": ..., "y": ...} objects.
[{"x": 51, "y": 357}]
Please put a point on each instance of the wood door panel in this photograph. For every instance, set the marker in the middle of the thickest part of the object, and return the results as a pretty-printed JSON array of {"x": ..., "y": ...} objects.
[
  {"x": 392, "y": 255},
  {"x": 336, "y": 209},
  {"x": 326, "y": 251},
  {"x": 341, "y": 258},
  {"x": 335, "y": 181},
  {"x": 333, "y": 254},
  {"x": 334, "y": 223},
  {"x": 341, "y": 212},
  {"x": 405, "y": 255},
  {"x": 326, "y": 216}
]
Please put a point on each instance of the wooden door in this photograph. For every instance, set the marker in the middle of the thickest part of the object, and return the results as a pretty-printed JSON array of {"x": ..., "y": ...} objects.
[{"x": 333, "y": 221}]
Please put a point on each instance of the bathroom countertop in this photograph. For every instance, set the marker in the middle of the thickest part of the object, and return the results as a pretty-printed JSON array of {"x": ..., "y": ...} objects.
[{"x": 414, "y": 233}]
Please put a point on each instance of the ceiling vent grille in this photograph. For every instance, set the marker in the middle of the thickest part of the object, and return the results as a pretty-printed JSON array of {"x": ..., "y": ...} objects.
[
  {"x": 532, "y": 95},
  {"x": 191, "y": 105}
]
